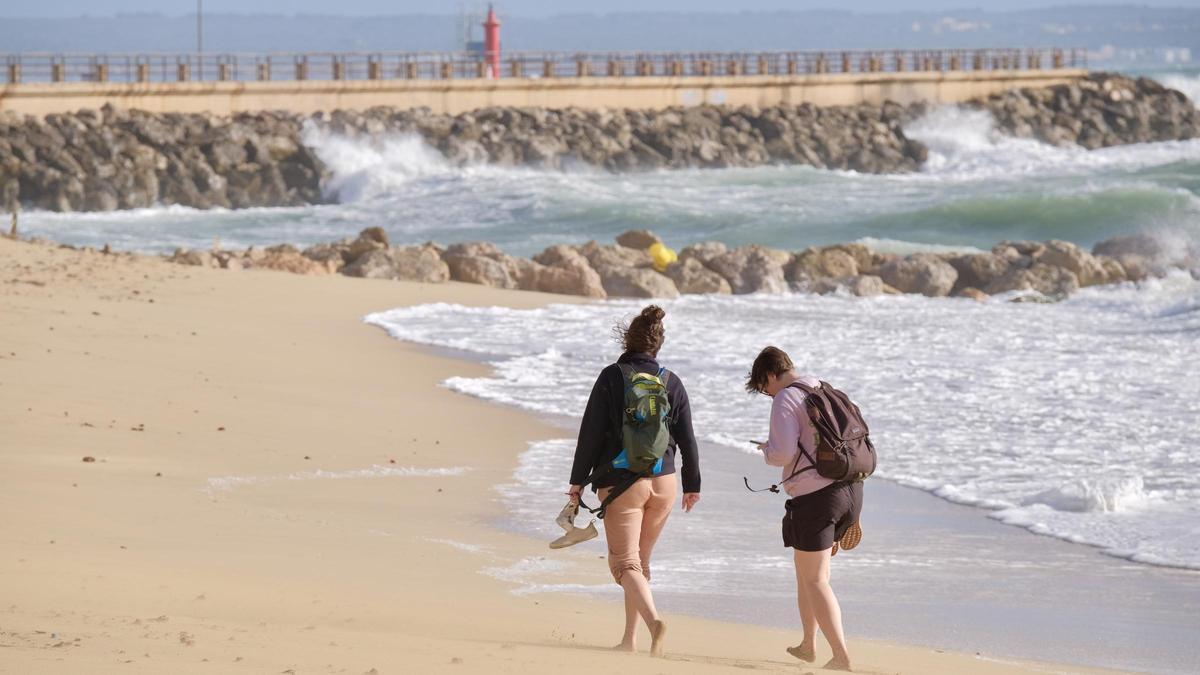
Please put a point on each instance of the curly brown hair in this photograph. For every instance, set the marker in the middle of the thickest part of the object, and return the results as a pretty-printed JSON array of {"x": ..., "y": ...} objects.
[{"x": 644, "y": 333}]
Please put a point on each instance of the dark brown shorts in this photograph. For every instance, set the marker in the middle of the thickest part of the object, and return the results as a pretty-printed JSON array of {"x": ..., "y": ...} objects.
[{"x": 815, "y": 520}]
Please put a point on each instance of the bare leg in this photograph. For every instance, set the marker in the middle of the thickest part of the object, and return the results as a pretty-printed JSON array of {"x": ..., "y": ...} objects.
[
  {"x": 812, "y": 573},
  {"x": 629, "y": 637},
  {"x": 806, "y": 650},
  {"x": 637, "y": 591}
]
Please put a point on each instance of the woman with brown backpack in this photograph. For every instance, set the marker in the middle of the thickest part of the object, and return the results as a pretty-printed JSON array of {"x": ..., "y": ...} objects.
[{"x": 819, "y": 438}]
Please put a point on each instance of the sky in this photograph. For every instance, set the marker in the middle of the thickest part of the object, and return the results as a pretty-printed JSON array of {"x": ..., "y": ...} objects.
[{"x": 538, "y": 8}]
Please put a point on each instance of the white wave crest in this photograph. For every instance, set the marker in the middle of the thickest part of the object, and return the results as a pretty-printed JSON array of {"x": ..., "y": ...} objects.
[
  {"x": 363, "y": 168},
  {"x": 965, "y": 145},
  {"x": 1107, "y": 495},
  {"x": 1188, "y": 84}
]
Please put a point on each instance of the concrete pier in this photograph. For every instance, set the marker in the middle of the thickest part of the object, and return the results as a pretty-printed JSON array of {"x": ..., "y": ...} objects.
[{"x": 458, "y": 95}]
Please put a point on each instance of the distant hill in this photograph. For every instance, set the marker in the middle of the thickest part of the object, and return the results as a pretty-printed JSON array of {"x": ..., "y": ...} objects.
[{"x": 1129, "y": 35}]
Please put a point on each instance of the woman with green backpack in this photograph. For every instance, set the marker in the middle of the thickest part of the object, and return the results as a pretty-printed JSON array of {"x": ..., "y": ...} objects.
[{"x": 636, "y": 423}]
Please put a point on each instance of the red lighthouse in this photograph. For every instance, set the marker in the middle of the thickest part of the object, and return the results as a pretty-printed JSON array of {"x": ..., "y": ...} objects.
[{"x": 491, "y": 43}]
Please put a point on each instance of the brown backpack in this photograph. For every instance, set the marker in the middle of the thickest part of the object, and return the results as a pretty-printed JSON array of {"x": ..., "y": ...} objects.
[{"x": 844, "y": 449}]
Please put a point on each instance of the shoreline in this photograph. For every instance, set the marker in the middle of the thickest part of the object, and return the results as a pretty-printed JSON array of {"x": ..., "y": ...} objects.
[{"x": 149, "y": 574}]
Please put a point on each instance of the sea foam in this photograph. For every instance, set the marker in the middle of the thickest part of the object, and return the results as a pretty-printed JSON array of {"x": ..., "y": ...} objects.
[{"x": 1073, "y": 420}]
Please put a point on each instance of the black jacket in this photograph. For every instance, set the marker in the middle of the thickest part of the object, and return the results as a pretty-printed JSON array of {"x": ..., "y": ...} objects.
[{"x": 600, "y": 431}]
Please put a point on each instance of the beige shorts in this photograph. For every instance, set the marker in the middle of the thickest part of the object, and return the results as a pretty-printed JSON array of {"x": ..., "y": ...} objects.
[{"x": 633, "y": 522}]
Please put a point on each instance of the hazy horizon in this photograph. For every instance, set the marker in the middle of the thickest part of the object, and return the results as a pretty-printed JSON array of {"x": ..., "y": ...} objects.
[
  {"x": 65, "y": 9},
  {"x": 1112, "y": 32}
]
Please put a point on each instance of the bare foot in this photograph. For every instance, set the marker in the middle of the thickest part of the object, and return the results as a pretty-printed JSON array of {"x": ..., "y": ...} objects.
[
  {"x": 625, "y": 647},
  {"x": 838, "y": 664},
  {"x": 803, "y": 651},
  {"x": 658, "y": 632}
]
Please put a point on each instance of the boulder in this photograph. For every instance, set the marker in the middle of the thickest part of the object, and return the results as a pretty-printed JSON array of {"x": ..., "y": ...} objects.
[
  {"x": 704, "y": 251},
  {"x": 1045, "y": 279},
  {"x": 288, "y": 259},
  {"x": 1144, "y": 245},
  {"x": 863, "y": 257},
  {"x": 639, "y": 239},
  {"x": 1033, "y": 249},
  {"x": 980, "y": 269},
  {"x": 815, "y": 263},
  {"x": 377, "y": 234},
  {"x": 183, "y": 256},
  {"x": 559, "y": 255},
  {"x": 365, "y": 243},
  {"x": 1114, "y": 271},
  {"x": 1141, "y": 255},
  {"x": 636, "y": 282},
  {"x": 473, "y": 269},
  {"x": 405, "y": 263},
  {"x": 335, "y": 253},
  {"x": 692, "y": 277},
  {"x": 751, "y": 269},
  {"x": 570, "y": 278},
  {"x": 616, "y": 256},
  {"x": 474, "y": 248},
  {"x": 922, "y": 273},
  {"x": 1086, "y": 267},
  {"x": 483, "y": 263}
]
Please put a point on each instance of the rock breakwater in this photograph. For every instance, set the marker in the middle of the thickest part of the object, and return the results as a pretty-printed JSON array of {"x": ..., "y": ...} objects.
[
  {"x": 119, "y": 159},
  {"x": 1051, "y": 269}
]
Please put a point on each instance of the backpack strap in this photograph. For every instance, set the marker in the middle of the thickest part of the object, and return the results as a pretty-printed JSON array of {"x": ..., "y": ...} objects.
[
  {"x": 616, "y": 491},
  {"x": 809, "y": 393}
]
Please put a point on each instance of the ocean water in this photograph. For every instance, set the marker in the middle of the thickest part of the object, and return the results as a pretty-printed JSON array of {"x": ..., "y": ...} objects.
[{"x": 1075, "y": 420}]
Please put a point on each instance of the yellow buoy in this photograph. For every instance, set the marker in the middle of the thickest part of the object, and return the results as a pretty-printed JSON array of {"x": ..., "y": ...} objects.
[{"x": 662, "y": 256}]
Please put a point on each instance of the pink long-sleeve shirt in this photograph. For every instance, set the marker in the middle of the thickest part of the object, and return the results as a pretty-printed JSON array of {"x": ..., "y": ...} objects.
[{"x": 790, "y": 427}]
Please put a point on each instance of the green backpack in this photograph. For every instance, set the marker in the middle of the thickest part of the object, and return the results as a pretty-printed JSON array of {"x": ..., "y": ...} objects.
[
  {"x": 645, "y": 422},
  {"x": 645, "y": 432}
]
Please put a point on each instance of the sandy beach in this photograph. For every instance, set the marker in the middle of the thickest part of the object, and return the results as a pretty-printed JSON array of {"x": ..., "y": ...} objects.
[{"x": 278, "y": 487}]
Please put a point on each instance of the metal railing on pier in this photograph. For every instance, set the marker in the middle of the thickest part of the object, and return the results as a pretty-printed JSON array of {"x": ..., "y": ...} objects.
[{"x": 333, "y": 66}]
